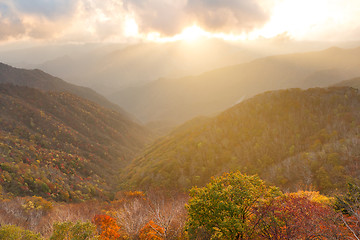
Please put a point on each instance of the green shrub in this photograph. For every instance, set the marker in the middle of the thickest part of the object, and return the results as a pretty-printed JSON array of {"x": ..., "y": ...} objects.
[
  {"x": 74, "y": 231},
  {"x": 11, "y": 232}
]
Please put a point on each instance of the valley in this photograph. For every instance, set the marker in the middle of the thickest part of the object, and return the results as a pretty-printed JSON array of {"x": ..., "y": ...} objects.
[{"x": 179, "y": 120}]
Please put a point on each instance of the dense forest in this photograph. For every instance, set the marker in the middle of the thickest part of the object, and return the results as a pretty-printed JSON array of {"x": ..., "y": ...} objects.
[
  {"x": 232, "y": 206},
  {"x": 73, "y": 169},
  {"x": 294, "y": 139},
  {"x": 60, "y": 146}
]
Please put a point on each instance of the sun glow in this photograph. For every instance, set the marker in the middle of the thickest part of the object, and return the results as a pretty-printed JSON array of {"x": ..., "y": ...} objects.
[
  {"x": 301, "y": 20},
  {"x": 131, "y": 28},
  {"x": 297, "y": 18},
  {"x": 192, "y": 34}
]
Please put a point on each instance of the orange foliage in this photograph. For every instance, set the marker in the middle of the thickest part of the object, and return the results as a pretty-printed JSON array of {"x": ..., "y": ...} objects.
[
  {"x": 108, "y": 228},
  {"x": 129, "y": 195},
  {"x": 151, "y": 231},
  {"x": 295, "y": 216}
]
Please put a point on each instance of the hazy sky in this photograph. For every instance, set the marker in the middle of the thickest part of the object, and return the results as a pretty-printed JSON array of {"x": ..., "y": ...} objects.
[{"x": 165, "y": 20}]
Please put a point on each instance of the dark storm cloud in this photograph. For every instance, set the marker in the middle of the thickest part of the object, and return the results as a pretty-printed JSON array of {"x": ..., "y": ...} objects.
[{"x": 170, "y": 17}]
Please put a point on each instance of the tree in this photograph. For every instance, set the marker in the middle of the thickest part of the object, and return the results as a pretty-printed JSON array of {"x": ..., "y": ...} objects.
[
  {"x": 70, "y": 230},
  {"x": 151, "y": 231},
  {"x": 11, "y": 232},
  {"x": 349, "y": 206},
  {"x": 223, "y": 209},
  {"x": 108, "y": 228},
  {"x": 296, "y": 216}
]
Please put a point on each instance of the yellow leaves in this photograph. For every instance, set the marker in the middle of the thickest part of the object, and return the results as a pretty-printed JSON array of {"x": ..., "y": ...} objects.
[
  {"x": 314, "y": 196},
  {"x": 36, "y": 203}
]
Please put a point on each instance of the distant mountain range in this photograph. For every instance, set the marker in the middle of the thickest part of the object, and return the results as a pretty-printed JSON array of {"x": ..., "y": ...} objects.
[
  {"x": 295, "y": 139},
  {"x": 178, "y": 100},
  {"x": 141, "y": 63}
]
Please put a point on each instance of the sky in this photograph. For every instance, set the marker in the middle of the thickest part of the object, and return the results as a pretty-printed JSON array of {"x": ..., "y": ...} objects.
[{"x": 82, "y": 21}]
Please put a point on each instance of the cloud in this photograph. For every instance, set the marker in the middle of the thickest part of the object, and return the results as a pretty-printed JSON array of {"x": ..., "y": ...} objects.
[
  {"x": 99, "y": 20},
  {"x": 50, "y": 9},
  {"x": 164, "y": 16},
  {"x": 39, "y": 19},
  {"x": 227, "y": 15},
  {"x": 171, "y": 16},
  {"x": 61, "y": 19},
  {"x": 11, "y": 25}
]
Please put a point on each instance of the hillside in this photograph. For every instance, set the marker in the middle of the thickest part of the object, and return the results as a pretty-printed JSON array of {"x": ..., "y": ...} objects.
[
  {"x": 291, "y": 138},
  {"x": 41, "y": 80},
  {"x": 61, "y": 146},
  {"x": 178, "y": 100},
  {"x": 354, "y": 83}
]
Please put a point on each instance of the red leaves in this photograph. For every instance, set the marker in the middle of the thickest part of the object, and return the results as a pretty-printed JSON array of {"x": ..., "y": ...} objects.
[{"x": 292, "y": 216}]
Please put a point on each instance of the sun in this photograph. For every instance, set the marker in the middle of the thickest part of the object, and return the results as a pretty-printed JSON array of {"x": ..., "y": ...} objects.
[
  {"x": 131, "y": 28},
  {"x": 192, "y": 33}
]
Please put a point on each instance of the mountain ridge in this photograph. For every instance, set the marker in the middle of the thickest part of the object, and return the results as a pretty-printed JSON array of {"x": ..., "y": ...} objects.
[
  {"x": 37, "y": 78},
  {"x": 181, "y": 99},
  {"x": 292, "y": 138}
]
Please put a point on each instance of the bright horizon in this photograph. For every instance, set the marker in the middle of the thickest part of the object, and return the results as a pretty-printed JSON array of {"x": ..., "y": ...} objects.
[{"x": 83, "y": 21}]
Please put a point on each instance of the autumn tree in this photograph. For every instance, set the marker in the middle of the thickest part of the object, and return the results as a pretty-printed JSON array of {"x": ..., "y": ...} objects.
[
  {"x": 168, "y": 212},
  {"x": 151, "y": 231},
  {"x": 349, "y": 206},
  {"x": 130, "y": 209},
  {"x": 107, "y": 228},
  {"x": 71, "y": 230},
  {"x": 223, "y": 209},
  {"x": 133, "y": 210},
  {"x": 296, "y": 216},
  {"x": 11, "y": 232}
]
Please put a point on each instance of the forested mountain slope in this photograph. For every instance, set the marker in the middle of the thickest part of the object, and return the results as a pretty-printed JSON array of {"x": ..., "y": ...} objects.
[
  {"x": 292, "y": 138},
  {"x": 178, "y": 100},
  {"x": 41, "y": 80},
  {"x": 60, "y": 145}
]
